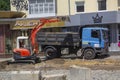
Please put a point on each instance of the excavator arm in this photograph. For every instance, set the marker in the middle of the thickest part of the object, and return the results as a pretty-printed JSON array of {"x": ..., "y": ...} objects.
[{"x": 34, "y": 31}]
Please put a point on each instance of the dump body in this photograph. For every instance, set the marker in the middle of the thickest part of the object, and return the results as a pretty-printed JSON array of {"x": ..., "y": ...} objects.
[{"x": 58, "y": 38}]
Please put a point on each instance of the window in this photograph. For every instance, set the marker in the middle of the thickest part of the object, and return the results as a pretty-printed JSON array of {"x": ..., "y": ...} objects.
[
  {"x": 49, "y": 0},
  {"x": 36, "y": 8},
  {"x": 80, "y": 6},
  {"x": 51, "y": 9},
  {"x": 41, "y": 6},
  {"x": 119, "y": 32},
  {"x": 32, "y": 1},
  {"x": 95, "y": 33},
  {"x": 118, "y": 2},
  {"x": 31, "y": 10},
  {"x": 41, "y": 1},
  {"x": 105, "y": 34},
  {"x": 101, "y": 4}
]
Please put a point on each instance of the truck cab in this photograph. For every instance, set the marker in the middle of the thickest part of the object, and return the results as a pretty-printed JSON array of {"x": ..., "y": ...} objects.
[{"x": 94, "y": 41}]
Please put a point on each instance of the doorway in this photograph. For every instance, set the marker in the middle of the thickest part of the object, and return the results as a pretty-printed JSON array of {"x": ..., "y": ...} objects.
[{"x": 2, "y": 39}]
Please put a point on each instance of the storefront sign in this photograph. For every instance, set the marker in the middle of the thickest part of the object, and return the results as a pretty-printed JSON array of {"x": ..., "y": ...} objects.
[
  {"x": 25, "y": 24},
  {"x": 29, "y": 24},
  {"x": 97, "y": 18}
]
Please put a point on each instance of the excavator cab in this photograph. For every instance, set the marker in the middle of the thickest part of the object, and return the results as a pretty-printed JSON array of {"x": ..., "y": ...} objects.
[
  {"x": 23, "y": 52},
  {"x": 22, "y": 42}
]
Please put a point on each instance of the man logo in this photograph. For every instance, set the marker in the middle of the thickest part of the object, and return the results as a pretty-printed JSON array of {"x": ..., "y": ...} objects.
[{"x": 97, "y": 18}]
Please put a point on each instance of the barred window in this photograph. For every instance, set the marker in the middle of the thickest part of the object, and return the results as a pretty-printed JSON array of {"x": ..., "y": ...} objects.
[
  {"x": 80, "y": 6},
  {"x": 101, "y": 4},
  {"x": 119, "y": 3},
  {"x": 41, "y": 6}
]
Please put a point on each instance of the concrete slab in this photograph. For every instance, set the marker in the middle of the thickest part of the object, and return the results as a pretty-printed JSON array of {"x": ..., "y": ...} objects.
[
  {"x": 54, "y": 77},
  {"x": 19, "y": 75},
  {"x": 80, "y": 73}
]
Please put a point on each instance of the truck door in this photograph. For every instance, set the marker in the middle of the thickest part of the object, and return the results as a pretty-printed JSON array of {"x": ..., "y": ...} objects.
[{"x": 90, "y": 38}]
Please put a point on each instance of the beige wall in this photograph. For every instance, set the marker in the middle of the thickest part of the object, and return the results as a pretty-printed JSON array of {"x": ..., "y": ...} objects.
[
  {"x": 112, "y": 5},
  {"x": 90, "y": 6},
  {"x": 62, "y": 7}
]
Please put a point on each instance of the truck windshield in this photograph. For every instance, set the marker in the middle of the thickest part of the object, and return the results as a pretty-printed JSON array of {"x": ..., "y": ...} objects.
[{"x": 105, "y": 34}]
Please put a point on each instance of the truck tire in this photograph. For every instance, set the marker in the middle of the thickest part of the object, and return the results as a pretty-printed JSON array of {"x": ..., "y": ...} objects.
[
  {"x": 50, "y": 53},
  {"x": 89, "y": 54}
]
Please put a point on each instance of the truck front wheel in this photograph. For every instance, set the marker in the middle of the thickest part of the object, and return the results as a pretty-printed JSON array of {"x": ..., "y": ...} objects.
[
  {"x": 51, "y": 53},
  {"x": 89, "y": 54}
]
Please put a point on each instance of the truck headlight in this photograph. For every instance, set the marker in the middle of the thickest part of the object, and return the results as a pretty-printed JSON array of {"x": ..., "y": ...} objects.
[{"x": 96, "y": 45}]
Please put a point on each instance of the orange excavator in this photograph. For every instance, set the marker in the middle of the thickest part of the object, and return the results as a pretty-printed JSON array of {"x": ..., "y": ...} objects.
[{"x": 31, "y": 54}]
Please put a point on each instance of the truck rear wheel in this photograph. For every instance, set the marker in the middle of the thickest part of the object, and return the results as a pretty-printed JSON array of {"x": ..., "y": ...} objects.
[
  {"x": 51, "y": 53},
  {"x": 89, "y": 54}
]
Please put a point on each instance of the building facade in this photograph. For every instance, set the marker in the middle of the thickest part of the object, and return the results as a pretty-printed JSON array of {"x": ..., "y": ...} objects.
[
  {"x": 6, "y": 33},
  {"x": 41, "y": 8},
  {"x": 103, "y": 13}
]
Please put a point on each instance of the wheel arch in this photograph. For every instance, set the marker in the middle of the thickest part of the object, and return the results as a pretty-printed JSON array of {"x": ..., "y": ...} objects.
[
  {"x": 83, "y": 49},
  {"x": 46, "y": 47}
]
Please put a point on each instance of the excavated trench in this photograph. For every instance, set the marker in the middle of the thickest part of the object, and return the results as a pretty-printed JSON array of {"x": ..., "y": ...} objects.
[{"x": 60, "y": 63}]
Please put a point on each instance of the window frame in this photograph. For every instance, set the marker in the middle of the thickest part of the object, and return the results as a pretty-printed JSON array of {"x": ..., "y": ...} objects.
[
  {"x": 80, "y": 4},
  {"x": 102, "y": 5},
  {"x": 42, "y": 8},
  {"x": 118, "y": 3}
]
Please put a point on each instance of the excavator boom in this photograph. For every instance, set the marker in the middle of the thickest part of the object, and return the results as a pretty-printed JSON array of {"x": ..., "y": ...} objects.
[{"x": 43, "y": 21}]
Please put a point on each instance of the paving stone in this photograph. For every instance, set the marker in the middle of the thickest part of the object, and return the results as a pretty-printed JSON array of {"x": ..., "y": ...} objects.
[
  {"x": 80, "y": 73},
  {"x": 54, "y": 77}
]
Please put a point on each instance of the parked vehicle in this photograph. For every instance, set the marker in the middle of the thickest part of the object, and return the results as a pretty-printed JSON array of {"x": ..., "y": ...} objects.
[{"x": 87, "y": 42}]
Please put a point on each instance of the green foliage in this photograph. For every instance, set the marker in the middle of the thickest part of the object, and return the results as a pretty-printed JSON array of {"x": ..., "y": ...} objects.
[{"x": 4, "y": 5}]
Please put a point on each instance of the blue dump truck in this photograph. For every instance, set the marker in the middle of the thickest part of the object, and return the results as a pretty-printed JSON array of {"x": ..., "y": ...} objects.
[{"x": 88, "y": 42}]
